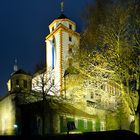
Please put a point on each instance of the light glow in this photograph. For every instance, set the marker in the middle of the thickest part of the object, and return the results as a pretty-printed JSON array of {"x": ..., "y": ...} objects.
[{"x": 15, "y": 126}]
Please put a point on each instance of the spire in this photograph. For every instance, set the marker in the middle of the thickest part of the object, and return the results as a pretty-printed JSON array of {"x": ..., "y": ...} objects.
[
  {"x": 15, "y": 66},
  {"x": 62, "y": 16},
  {"x": 62, "y": 6}
]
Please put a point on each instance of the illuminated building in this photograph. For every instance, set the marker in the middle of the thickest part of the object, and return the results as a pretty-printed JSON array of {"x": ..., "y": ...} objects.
[
  {"x": 20, "y": 82},
  {"x": 91, "y": 106},
  {"x": 60, "y": 43}
]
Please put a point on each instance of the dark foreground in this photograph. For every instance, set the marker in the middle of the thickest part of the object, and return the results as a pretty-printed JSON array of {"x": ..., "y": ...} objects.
[{"x": 106, "y": 135}]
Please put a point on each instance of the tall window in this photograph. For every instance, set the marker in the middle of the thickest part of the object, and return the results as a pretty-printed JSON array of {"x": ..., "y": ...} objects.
[
  {"x": 37, "y": 83},
  {"x": 25, "y": 83},
  {"x": 39, "y": 125},
  {"x": 17, "y": 83},
  {"x": 93, "y": 126},
  {"x": 103, "y": 87},
  {"x": 85, "y": 123},
  {"x": 52, "y": 81},
  {"x": 52, "y": 57},
  {"x": 33, "y": 85},
  {"x": 102, "y": 127},
  {"x": 53, "y": 52},
  {"x": 70, "y": 38},
  {"x": 64, "y": 119},
  {"x": 52, "y": 28},
  {"x": 70, "y": 26},
  {"x": 76, "y": 122},
  {"x": 53, "y": 40}
]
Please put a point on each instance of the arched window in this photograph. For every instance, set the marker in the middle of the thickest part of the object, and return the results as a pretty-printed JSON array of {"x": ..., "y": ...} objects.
[
  {"x": 53, "y": 52},
  {"x": 70, "y": 26},
  {"x": 52, "y": 57},
  {"x": 39, "y": 125},
  {"x": 102, "y": 126},
  {"x": 93, "y": 126},
  {"x": 25, "y": 83},
  {"x": 53, "y": 40},
  {"x": 70, "y": 38},
  {"x": 17, "y": 82}
]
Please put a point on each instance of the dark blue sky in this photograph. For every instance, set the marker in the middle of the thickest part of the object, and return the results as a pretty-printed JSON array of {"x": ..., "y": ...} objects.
[{"x": 23, "y": 27}]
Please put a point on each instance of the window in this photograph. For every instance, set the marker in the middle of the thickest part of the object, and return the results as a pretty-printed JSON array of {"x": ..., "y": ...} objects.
[
  {"x": 25, "y": 83},
  {"x": 93, "y": 126},
  {"x": 70, "y": 38},
  {"x": 39, "y": 125},
  {"x": 70, "y": 26},
  {"x": 91, "y": 95},
  {"x": 102, "y": 127},
  {"x": 102, "y": 87},
  {"x": 53, "y": 57},
  {"x": 33, "y": 85},
  {"x": 17, "y": 82},
  {"x": 76, "y": 122},
  {"x": 37, "y": 83},
  {"x": 53, "y": 40},
  {"x": 52, "y": 81},
  {"x": 53, "y": 52},
  {"x": 85, "y": 123},
  {"x": 64, "y": 123},
  {"x": 52, "y": 28}
]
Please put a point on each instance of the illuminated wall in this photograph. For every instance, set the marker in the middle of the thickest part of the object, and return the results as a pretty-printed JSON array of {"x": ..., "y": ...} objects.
[
  {"x": 21, "y": 78},
  {"x": 7, "y": 116},
  {"x": 54, "y": 72},
  {"x": 62, "y": 41},
  {"x": 79, "y": 94},
  {"x": 62, "y": 36},
  {"x": 38, "y": 81},
  {"x": 82, "y": 124},
  {"x": 65, "y": 22}
]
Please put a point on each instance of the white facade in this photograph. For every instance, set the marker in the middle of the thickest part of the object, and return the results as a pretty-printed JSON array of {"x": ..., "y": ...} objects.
[
  {"x": 60, "y": 44},
  {"x": 65, "y": 22}
]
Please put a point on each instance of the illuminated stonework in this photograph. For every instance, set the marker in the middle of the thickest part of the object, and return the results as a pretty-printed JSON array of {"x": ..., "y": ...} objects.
[
  {"x": 62, "y": 35},
  {"x": 91, "y": 104},
  {"x": 7, "y": 116}
]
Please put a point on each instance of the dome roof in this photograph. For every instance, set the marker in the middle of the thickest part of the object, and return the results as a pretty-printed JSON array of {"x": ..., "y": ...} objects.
[
  {"x": 20, "y": 71},
  {"x": 62, "y": 16}
]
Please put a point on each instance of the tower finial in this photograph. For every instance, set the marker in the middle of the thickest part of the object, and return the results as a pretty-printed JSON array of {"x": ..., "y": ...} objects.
[
  {"x": 62, "y": 6},
  {"x": 15, "y": 65}
]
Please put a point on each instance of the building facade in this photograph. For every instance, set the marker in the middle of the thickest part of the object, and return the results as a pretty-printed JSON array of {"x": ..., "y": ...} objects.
[
  {"x": 59, "y": 95},
  {"x": 61, "y": 43}
]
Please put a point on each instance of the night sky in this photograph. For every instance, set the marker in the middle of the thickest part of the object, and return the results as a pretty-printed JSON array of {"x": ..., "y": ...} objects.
[{"x": 23, "y": 27}]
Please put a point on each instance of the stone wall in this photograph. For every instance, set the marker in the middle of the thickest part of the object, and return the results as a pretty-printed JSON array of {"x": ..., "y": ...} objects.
[{"x": 7, "y": 116}]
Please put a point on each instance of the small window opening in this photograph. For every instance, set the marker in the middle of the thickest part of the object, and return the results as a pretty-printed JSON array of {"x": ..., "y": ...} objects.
[
  {"x": 17, "y": 82},
  {"x": 70, "y": 38},
  {"x": 70, "y": 26},
  {"x": 52, "y": 28},
  {"x": 25, "y": 83}
]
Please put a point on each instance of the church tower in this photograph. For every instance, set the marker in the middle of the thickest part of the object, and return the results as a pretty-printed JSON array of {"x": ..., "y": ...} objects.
[
  {"x": 19, "y": 80},
  {"x": 61, "y": 43}
]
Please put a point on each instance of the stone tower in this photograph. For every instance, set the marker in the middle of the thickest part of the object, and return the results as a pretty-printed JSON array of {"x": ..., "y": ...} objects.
[{"x": 61, "y": 43}]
